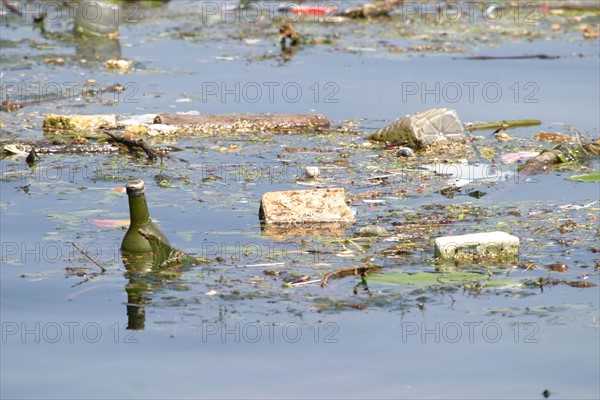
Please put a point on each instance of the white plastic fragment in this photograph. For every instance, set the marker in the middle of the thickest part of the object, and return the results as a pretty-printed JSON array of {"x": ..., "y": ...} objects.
[
  {"x": 161, "y": 129},
  {"x": 118, "y": 65},
  {"x": 15, "y": 150},
  {"x": 312, "y": 172}
]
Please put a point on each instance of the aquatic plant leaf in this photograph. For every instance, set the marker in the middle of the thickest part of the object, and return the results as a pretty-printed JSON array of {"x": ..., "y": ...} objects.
[
  {"x": 74, "y": 218},
  {"x": 423, "y": 279},
  {"x": 592, "y": 177}
]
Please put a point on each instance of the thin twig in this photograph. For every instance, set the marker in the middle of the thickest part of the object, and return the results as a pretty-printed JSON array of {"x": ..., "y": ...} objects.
[
  {"x": 77, "y": 293},
  {"x": 483, "y": 58},
  {"x": 14, "y": 9},
  {"x": 356, "y": 269},
  {"x": 581, "y": 146},
  {"x": 88, "y": 257}
]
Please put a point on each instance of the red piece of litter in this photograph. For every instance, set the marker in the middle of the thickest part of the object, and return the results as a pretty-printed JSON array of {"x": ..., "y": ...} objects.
[{"x": 312, "y": 10}]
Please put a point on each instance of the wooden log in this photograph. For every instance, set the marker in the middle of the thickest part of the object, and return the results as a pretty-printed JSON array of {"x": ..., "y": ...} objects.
[
  {"x": 243, "y": 123},
  {"x": 378, "y": 8},
  {"x": 573, "y": 5},
  {"x": 45, "y": 147}
]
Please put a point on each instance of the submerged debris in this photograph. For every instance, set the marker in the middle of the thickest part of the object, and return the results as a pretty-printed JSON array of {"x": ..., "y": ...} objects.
[
  {"x": 372, "y": 230},
  {"x": 557, "y": 267},
  {"x": 553, "y": 137},
  {"x": 287, "y": 32},
  {"x": 405, "y": 152}
]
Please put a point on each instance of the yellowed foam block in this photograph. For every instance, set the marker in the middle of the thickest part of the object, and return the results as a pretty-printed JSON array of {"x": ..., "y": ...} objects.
[
  {"x": 305, "y": 206},
  {"x": 85, "y": 124}
]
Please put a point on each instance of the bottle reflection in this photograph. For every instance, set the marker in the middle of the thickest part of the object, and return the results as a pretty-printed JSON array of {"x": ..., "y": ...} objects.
[
  {"x": 96, "y": 30},
  {"x": 145, "y": 278},
  {"x": 139, "y": 288},
  {"x": 97, "y": 49}
]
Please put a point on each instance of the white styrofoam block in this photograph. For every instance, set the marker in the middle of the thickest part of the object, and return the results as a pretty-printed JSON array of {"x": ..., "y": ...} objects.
[{"x": 477, "y": 245}]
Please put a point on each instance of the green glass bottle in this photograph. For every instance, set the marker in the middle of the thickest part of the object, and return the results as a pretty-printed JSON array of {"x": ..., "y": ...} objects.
[{"x": 133, "y": 242}]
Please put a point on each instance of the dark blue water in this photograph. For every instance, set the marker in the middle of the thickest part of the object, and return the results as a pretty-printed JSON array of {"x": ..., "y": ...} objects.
[{"x": 65, "y": 336}]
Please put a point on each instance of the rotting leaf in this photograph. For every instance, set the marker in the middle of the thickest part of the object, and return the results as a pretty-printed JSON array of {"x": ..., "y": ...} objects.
[{"x": 579, "y": 284}]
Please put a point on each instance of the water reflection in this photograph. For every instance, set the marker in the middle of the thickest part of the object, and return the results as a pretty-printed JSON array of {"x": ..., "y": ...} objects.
[
  {"x": 286, "y": 231},
  {"x": 147, "y": 275},
  {"x": 97, "y": 48},
  {"x": 144, "y": 279}
]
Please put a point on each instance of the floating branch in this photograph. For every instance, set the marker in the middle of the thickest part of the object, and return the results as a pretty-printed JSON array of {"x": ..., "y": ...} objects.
[
  {"x": 362, "y": 270},
  {"x": 88, "y": 257},
  {"x": 150, "y": 151},
  {"x": 503, "y": 124}
]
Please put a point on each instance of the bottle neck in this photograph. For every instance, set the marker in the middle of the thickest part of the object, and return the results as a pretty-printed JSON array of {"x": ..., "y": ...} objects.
[{"x": 138, "y": 210}]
